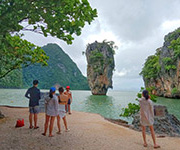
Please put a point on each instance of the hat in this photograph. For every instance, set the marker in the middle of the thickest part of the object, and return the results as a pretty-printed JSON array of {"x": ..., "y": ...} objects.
[
  {"x": 35, "y": 82},
  {"x": 52, "y": 89},
  {"x": 67, "y": 87}
]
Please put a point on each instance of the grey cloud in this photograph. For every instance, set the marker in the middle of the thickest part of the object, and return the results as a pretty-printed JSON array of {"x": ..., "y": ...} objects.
[{"x": 134, "y": 20}]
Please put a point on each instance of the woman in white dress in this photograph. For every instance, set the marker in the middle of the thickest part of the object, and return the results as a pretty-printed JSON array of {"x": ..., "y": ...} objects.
[
  {"x": 147, "y": 117},
  {"x": 51, "y": 110},
  {"x": 63, "y": 99}
]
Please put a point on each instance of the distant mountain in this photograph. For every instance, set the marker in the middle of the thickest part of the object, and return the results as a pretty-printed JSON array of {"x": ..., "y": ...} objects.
[{"x": 60, "y": 70}]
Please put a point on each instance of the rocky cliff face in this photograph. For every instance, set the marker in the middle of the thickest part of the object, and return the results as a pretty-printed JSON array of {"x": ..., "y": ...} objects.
[
  {"x": 100, "y": 59},
  {"x": 161, "y": 71}
]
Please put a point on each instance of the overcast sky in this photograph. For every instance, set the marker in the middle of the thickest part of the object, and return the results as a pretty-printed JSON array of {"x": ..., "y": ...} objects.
[{"x": 137, "y": 27}]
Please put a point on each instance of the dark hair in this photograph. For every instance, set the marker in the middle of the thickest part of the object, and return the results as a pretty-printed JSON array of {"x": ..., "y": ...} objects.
[
  {"x": 35, "y": 82},
  {"x": 50, "y": 93},
  {"x": 146, "y": 94},
  {"x": 61, "y": 89}
]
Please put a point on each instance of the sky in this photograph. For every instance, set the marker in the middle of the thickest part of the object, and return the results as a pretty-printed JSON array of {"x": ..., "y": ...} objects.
[{"x": 137, "y": 27}]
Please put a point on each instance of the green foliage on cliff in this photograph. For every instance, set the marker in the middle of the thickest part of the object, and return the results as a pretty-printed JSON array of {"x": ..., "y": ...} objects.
[
  {"x": 175, "y": 91},
  {"x": 174, "y": 40},
  {"x": 61, "y": 69},
  {"x": 98, "y": 59},
  {"x": 151, "y": 67},
  {"x": 172, "y": 35},
  {"x": 60, "y": 18}
]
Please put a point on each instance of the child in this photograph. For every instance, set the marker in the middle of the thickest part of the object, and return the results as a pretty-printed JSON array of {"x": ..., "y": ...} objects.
[
  {"x": 63, "y": 99},
  {"x": 68, "y": 93},
  {"x": 51, "y": 110},
  {"x": 33, "y": 94},
  {"x": 147, "y": 117}
]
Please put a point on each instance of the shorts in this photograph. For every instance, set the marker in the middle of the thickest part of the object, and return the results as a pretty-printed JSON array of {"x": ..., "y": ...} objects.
[
  {"x": 34, "y": 110},
  {"x": 69, "y": 101}
]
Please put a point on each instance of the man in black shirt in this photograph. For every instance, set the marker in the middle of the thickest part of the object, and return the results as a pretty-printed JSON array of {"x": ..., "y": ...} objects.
[{"x": 33, "y": 94}]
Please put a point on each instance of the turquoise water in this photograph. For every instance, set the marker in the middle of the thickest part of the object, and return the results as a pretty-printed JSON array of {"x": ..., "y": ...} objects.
[{"x": 108, "y": 106}]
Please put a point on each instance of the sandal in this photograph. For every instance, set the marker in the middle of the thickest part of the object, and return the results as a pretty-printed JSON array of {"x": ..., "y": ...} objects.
[
  {"x": 36, "y": 127},
  {"x": 67, "y": 130},
  {"x": 145, "y": 145},
  {"x": 30, "y": 127},
  {"x": 51, "y": 135},
  {"x": 59, "y": 132},
  {"x": 157, "y": 146},
  {"x": 44, "y": 134}
]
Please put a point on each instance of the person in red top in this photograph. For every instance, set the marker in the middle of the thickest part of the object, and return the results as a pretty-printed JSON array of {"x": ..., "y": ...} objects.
[{"x": 69, "y": 94}]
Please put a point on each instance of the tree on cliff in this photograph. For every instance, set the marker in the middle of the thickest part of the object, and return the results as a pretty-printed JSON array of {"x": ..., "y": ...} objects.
[{"x": 58, "y": 18}]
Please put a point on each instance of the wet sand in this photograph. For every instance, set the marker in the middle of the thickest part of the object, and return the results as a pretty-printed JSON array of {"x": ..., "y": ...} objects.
[{"x": 87, "y": 132}]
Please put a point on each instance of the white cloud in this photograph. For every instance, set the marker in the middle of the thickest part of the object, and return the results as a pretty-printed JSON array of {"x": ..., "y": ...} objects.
[
  {"x": 121, "y": 73},
  {"x": 170, "y": 25}
]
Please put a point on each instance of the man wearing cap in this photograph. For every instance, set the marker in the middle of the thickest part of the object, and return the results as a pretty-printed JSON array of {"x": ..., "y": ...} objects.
[
  {"x": 33, "y": 94},
  {"x": 69, "y": 94}
]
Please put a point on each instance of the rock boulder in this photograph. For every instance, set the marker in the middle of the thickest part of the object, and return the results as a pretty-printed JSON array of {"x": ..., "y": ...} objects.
[{"x": 100, "y": 59}]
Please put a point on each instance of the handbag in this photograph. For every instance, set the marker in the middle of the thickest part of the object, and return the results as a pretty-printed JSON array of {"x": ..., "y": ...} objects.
[{"x": 19, "y": 123}]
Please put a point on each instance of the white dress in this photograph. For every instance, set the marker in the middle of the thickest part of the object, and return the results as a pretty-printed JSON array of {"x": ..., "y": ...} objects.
[
  {"x": 51, "y": 106},
  {"x": 61, "y": 110},
  {"x": 146, "y": 112}
]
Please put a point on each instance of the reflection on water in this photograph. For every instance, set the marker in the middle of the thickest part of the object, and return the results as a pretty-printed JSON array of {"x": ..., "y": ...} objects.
[
  {"x": 108, "y": 106},
  {"x": 100, "y": 104}
]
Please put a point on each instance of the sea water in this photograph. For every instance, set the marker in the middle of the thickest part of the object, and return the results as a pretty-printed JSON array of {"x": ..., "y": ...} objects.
[{"x": 109, "y": 106}]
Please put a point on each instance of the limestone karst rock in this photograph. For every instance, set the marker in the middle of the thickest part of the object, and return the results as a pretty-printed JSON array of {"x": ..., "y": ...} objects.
[
  {"x": 100, "y": 59},
  {"x": 161, "y": 71}
]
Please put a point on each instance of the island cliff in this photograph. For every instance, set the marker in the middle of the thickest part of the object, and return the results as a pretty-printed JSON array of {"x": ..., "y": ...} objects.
[
  {"x": 61, "y": 69},
  {"x": 161, "y": 72},
  {"x": 100, "y": 59}
]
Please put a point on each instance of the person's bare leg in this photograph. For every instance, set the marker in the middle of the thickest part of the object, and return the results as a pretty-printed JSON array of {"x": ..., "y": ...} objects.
[
  {"x": 69, "y": 109},
  {"x": 51, "y": 126},
  {"x": 30, "y": 120},
  {"x": 144, "y": 135},
  {"x": 46, "y": 124},
  {"x": 65, "y": 123},
  {"x": 153, "y": 137},
  {"x": 35, "y": 120},
  {"x": 66, "y": 108},
  {"x": 58, "y": 124}
]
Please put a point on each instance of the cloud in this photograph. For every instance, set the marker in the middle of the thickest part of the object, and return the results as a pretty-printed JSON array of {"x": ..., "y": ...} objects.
[
  {"x": 121, "y": 73},
  {"x": 170, "y": 25}
]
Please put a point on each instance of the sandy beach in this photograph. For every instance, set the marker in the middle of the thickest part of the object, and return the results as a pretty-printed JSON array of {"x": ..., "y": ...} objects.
[{"x": 87, "y": 132}]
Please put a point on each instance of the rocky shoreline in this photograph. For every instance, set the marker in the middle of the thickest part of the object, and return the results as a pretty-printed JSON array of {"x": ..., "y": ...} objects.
[{"x": 165, "y": 124}]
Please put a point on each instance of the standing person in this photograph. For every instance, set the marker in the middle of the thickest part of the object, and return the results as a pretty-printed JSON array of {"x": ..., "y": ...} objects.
[
  {"x": 147, "y": 117},
  {"x": 33, "y": 94},
  {"x": 69, "y": 94},
  {"x": 63, "y": 99},
  {"x": 51, "y": 110}
]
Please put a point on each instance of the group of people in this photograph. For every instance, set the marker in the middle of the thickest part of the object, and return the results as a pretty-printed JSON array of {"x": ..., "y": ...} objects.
[{"x": 56, "y": 106}]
